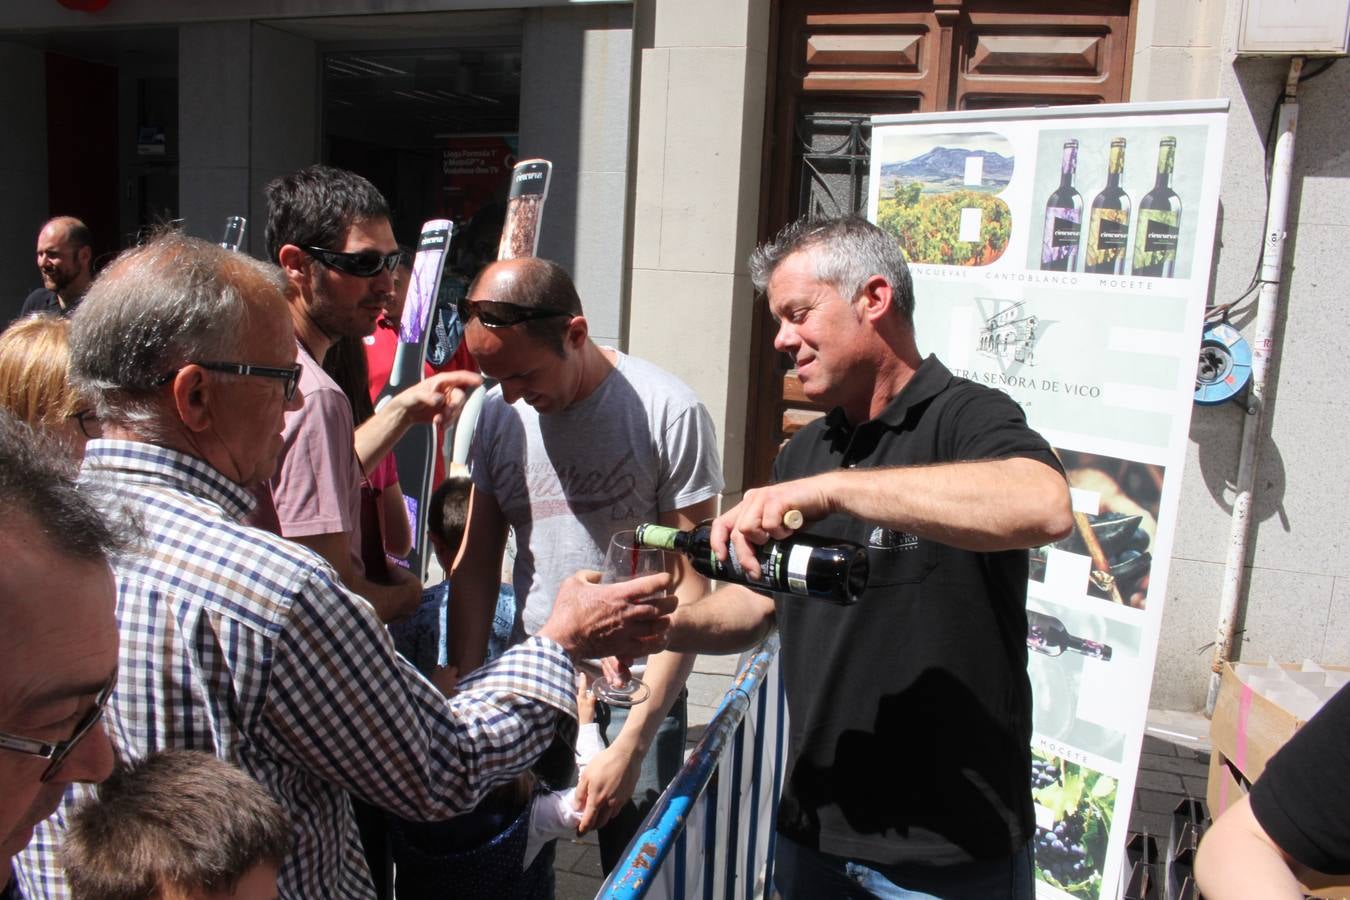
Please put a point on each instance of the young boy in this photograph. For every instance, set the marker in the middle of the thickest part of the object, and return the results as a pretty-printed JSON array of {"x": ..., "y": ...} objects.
[{"x": 177, "y": 825}]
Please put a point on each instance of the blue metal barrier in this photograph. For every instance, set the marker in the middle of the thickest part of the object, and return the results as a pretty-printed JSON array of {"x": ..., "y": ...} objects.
[{"x": 717, "y": 787}]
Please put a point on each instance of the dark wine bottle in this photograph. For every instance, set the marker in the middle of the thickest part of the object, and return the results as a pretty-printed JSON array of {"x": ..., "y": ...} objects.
[
  {"x": 1159, "y": 223},
  {"x": 806, "y": 565},
  {"x": 1046, "y": 634},
  {"x": 1063, "y": 217},
  {"x": 1109, "y": 226}
]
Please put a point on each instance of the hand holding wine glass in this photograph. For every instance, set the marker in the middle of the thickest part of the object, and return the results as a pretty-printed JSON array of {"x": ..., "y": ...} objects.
[
  {"x": 625, "y": 560},
  {"x": 591, "y": 620}
]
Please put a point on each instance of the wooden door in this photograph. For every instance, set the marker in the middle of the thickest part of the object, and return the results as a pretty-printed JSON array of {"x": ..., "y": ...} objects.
[{"x": 836, "y": 63}]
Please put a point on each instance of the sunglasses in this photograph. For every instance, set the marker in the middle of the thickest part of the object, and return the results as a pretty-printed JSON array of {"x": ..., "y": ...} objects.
[
  {"x": 500, "y": 314},
  {"x": 56, "y": 753},
  {"x": 366, "y": 264},
  {"x": 290, "y": 375}
]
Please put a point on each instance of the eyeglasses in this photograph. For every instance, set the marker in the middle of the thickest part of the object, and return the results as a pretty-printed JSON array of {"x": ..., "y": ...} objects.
[
  {"x": 88, "y": 421},
  {"x": 500, "y": 314},
  {"x": 366, "y": 264},
  {"x": 290, "y": 375},
  {"x": 56, "y": 753}
]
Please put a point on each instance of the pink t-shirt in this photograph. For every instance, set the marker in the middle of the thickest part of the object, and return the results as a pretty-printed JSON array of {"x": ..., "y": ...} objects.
[{"x": 317, "y": 487}]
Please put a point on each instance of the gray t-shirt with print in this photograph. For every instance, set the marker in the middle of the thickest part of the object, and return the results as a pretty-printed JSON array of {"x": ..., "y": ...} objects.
[{"x": 641, "y": 444}]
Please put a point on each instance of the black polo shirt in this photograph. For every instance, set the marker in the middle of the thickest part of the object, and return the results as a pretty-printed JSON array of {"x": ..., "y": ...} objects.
[
  {"x": 45, "y": 301},
  {"x": 911, "y": 710}
]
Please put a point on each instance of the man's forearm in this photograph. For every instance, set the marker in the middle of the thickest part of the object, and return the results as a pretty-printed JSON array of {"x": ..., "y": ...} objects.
[
  {"x": 728, "y": 620},
  {"x": 473, "y": 599},
  {"x": 665, "y": 677},
  {"x": 378, "y": 434},
  {"x": 983, "y": 506},
  {"x": 392, "y": 602}
]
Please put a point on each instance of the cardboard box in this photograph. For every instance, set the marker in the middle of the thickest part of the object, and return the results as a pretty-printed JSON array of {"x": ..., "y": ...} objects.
[{"x": 1245, "y": 732}]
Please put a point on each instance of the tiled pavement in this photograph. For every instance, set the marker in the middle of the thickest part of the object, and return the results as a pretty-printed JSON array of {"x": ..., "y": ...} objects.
[{"x": 1173, "y": 766}]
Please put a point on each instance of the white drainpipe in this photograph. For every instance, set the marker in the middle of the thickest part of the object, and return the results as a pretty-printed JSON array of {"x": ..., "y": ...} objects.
[{"x": 1263, "y": 349}]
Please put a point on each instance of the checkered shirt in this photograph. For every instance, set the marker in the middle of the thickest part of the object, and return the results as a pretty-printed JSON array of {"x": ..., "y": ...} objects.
[{"x": 245, "y": 645}]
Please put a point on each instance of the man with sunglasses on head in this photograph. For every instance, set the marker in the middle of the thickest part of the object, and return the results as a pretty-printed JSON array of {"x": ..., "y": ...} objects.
[
  {"x": 58, "y": 638},
  {"x": 239, "y": 643},
  {"x": 576, "y": 442},
  {"x": 329, "y": 231}
]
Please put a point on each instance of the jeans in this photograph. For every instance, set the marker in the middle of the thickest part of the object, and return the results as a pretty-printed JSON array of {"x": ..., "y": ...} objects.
[
  {"x": 801, "y": 873},
  {"x": 659, "y": 766}
]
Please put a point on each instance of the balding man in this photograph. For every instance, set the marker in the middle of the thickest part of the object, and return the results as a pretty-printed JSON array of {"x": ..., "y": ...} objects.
[
  {"x": 65, "y": 261},
  {"x": 240, "y": 643},
  {"x": 58, "y": 637},
  {"x": 575, "y": 443}
]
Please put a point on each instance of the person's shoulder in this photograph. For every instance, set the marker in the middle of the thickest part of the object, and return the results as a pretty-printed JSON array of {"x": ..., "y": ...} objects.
[
  {"x": 654, "y": 380},
  {"x": 37, "y": 301}
]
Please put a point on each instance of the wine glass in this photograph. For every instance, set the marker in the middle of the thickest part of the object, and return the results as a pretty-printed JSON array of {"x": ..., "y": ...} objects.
[{"x": 625, "y": 560}]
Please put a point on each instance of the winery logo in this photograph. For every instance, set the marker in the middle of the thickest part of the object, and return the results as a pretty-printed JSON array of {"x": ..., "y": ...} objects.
[
  {"x": 888, "y": 539},
  {"x": 1009, "y": 335}
]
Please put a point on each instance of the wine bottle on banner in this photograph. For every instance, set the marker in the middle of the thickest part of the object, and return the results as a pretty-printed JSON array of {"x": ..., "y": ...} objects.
[
  {"x": 233, "y": 238},
  {"x": 1047, "y": 635},
  {"x": 1159, "y": 223},
  {"x": 1063, "y": 217},
  {"x": 1109, "y": 225},
  {"x": 805, "y": 565}
]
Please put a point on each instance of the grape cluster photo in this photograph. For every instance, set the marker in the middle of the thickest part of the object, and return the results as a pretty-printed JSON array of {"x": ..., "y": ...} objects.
[{"x": 1071, "y": 853}]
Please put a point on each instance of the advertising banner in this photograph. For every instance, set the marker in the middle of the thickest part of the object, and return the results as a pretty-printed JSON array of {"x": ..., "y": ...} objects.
[
  {"x": 1062, "y": 255},
  {"x": 475, "y": 173}
]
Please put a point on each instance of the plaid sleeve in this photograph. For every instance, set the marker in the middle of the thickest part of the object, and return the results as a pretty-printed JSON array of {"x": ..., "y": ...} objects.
[{"x": 345, "y": 707}]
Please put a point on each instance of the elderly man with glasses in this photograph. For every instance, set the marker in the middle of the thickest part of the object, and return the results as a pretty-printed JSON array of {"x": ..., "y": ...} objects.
[
  {"x": 240, "y": 643},
  {"x": 578, "y": 441},
  {"x": 58, "y": 638},
  {"x": 329, "y": 231}
]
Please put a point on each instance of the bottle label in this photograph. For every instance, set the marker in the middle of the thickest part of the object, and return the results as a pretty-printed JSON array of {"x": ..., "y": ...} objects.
[
  {"x": 1065, "y": 226},
  {"x": 1107, "y": 235},
  {"x": 798, "y": 561},
  {"x": 1161, "y": 230}
]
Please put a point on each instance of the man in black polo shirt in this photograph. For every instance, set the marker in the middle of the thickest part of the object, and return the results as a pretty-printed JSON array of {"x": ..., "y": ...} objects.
[{"x": 909, "y": 749}]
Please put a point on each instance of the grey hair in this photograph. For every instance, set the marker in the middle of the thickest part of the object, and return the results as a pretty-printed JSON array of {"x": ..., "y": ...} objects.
[
  {"x": 156, "y": 307},
  {"x": 848, "y": 251}
]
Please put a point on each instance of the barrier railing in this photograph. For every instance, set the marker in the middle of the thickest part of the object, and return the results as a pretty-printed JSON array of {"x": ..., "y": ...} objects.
[{"x": 710, "y": 834}]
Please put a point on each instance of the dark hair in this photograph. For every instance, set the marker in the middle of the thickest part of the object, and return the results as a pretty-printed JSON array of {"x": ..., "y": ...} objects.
[
  {"x": 538, "y": 284},
  {"x": 37, "y": 480},
  {"x": 848, "y": 251},
  {"x": 315, "y": 206},
  {"x": 448, "y": 510},
  {"x": 176, "y": 818},
  {"x": 346, "y": 364}
]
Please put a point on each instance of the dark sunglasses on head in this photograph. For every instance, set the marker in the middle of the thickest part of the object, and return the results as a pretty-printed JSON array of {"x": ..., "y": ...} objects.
[
  {"x": 290, "y": 375},
  {"x": 366, "y": 264},
  {"x": 56, "y": 753},
  {"x": 500, "y": 314}
]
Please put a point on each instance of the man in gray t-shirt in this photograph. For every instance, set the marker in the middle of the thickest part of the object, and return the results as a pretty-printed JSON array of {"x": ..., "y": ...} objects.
[{"x": 575, "y": 443}]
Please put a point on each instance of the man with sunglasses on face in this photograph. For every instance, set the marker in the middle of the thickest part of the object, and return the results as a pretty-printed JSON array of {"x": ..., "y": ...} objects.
[
  {"x": 329, "y": 231},
  {"x": 575, "y": 443},
  {"x": 58, "y": 638},
  {"x": 240, "y": 643}
]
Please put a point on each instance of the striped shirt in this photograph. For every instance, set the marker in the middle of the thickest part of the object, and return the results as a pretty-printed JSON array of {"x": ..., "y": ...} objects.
[{"x": 242, "y": 644}]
